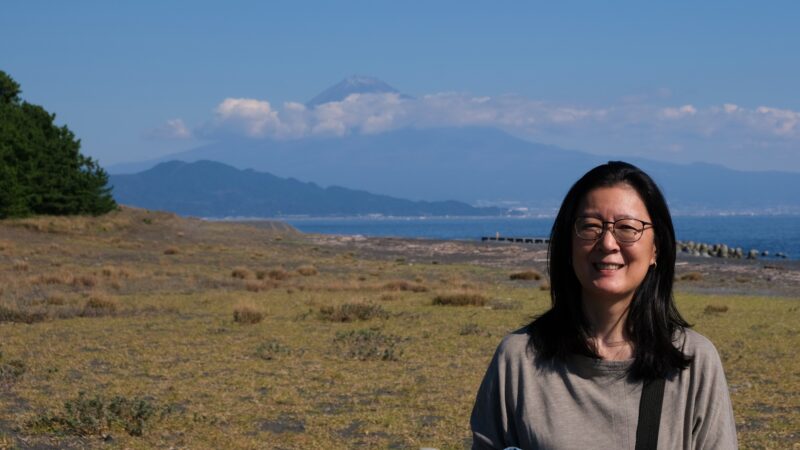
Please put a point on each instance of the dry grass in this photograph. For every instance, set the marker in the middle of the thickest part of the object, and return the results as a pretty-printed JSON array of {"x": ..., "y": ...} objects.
[{"x": 314, "y": 372}]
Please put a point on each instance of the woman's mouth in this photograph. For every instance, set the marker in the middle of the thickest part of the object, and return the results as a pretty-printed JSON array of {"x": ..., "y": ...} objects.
[{"x": 607, "y": 266}]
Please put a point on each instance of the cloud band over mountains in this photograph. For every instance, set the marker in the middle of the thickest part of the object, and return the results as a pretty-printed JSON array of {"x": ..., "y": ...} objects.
[{"x": 727, "y": 131}]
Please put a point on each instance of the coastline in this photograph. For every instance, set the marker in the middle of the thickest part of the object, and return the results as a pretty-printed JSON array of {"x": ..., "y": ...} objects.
[{"x": 693, "y": 274}]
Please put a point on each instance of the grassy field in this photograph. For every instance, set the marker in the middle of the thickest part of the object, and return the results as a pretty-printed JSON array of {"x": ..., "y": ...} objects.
[{"x": 142, "y": 330}]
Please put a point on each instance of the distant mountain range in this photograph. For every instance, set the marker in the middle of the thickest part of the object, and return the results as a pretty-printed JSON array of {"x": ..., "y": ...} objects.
[
  {"x": 212, "y": 189},
  {"x": 478, "y": 166}
]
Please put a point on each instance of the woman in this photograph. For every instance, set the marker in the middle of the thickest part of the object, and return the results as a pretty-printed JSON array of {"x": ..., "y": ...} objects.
[{"x": 574, "y": 377}]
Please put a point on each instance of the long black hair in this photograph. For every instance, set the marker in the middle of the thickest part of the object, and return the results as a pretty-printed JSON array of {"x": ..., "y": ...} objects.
[{"x": 653, "y": 318}]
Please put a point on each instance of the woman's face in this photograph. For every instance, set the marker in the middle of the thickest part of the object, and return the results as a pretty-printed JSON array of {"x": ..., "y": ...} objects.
[{"x": 609, "y": 270}]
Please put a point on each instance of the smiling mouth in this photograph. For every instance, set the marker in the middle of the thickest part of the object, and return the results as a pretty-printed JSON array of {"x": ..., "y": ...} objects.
[{"x": 605, "y": 266}]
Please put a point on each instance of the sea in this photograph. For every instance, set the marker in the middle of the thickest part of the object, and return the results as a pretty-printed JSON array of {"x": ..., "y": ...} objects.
[{"x": 774, "y": 234}]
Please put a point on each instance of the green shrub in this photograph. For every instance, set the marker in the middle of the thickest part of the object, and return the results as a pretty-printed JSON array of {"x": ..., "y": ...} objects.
[
  {"x": 96, "y": 416},
  {"x": 271, "y": 349}
]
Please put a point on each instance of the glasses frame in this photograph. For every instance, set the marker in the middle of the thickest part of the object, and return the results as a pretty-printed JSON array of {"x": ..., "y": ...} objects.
[{"x": 645, "y": 226}]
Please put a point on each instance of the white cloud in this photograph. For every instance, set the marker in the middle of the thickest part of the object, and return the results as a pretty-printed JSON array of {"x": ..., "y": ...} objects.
[
  {"x": 634, "y": 128},
  {"x": 171, "y": 129},
  {"x": 677, "y": 113}
]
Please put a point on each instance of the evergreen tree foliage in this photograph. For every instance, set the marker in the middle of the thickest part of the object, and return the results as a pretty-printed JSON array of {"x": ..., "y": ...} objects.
[{"x": 42, "y": 170}]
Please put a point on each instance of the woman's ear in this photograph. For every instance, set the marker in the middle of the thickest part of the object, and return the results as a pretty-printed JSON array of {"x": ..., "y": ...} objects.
[{"x": 654, "y": 257}]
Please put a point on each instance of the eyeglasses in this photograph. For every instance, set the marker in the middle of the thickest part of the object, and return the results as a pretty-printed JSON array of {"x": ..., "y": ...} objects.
[{"x": 624, "y": 230}]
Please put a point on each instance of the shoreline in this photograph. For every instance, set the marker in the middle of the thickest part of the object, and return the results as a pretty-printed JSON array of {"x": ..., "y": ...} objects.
[{"x": 693, "y": 274}]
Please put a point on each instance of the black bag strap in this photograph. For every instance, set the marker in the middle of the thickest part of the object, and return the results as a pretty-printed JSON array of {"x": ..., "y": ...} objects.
[{"x": 650, "y": 414}]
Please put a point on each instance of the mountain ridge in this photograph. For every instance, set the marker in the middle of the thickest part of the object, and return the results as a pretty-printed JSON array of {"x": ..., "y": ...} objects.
[{"x": 212, "y": 189}]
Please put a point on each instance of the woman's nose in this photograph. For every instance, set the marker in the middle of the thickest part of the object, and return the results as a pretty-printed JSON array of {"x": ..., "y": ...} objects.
[{"x": 607, "y": 241}]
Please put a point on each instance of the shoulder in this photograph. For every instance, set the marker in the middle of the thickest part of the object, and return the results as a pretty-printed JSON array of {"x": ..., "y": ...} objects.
[
  {"x": 696, "y": 345},
  {"x": 705, "y": 357},
  {"x": 515, "y": 345}
]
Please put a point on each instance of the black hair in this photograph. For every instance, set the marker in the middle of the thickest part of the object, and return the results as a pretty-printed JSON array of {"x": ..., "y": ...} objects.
[{"x": 653, "y": 319}]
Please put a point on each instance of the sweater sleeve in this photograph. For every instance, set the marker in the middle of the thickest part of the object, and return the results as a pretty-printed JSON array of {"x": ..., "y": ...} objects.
[
  {"x": 713, "y": 426},
  {"x": 492, "y": 419}
]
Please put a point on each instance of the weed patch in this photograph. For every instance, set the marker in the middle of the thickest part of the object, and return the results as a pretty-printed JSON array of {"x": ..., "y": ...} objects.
[
  {"x": 96, "y": 416},
  {"x": 469, "y": 329},
  {"x": 272, "y": 349},
  {"x": 350, "y": 312},
  {"x": 368, "y": 344},
  {"x": 10, "y": 371}
]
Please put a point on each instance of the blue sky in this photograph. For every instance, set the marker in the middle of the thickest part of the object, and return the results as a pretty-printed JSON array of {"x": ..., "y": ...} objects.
[{"x": 680, "y": 81}]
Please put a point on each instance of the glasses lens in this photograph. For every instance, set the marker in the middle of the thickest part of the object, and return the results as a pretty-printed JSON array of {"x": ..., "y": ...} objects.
[
  {"x": 588, "y": 228},
  {"x": 628, "y": 230}
]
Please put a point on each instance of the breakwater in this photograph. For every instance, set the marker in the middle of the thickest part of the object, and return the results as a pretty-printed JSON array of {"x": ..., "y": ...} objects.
[{"x": 724, "y": 251}]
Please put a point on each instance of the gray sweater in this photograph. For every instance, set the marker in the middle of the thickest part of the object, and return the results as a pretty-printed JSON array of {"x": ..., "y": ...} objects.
[{"x": 587, "y": 403}]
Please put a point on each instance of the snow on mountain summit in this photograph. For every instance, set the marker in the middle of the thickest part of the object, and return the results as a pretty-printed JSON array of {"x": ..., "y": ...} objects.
[{"x": 354, "y": 84}]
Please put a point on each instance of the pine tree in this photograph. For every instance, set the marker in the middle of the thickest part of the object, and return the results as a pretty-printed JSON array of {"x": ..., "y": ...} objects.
[{"x": 42, "y": 170}]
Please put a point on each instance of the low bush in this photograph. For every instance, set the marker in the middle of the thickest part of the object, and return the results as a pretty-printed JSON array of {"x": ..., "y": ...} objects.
[
  {"x": 247, "y": 314},
  {"x": 460, "y": 299},
  {"x": 526, "y": 275},
  {"x": 278, "y": 274},
  {"x": 368, "y": 344},
  {"x": 692, "y": 276},
  {"x": 350, "y": 312},
  {"x": 715, "y": 309},
  {"x": 171, "y": 251},
  {"x": 242, "y": 273},
  {"x": 99, "y": 305},
  {"x": 10, "y": 314},
  {"x": 307, "y": 270},
  {"x": 84, "y": 281}
]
